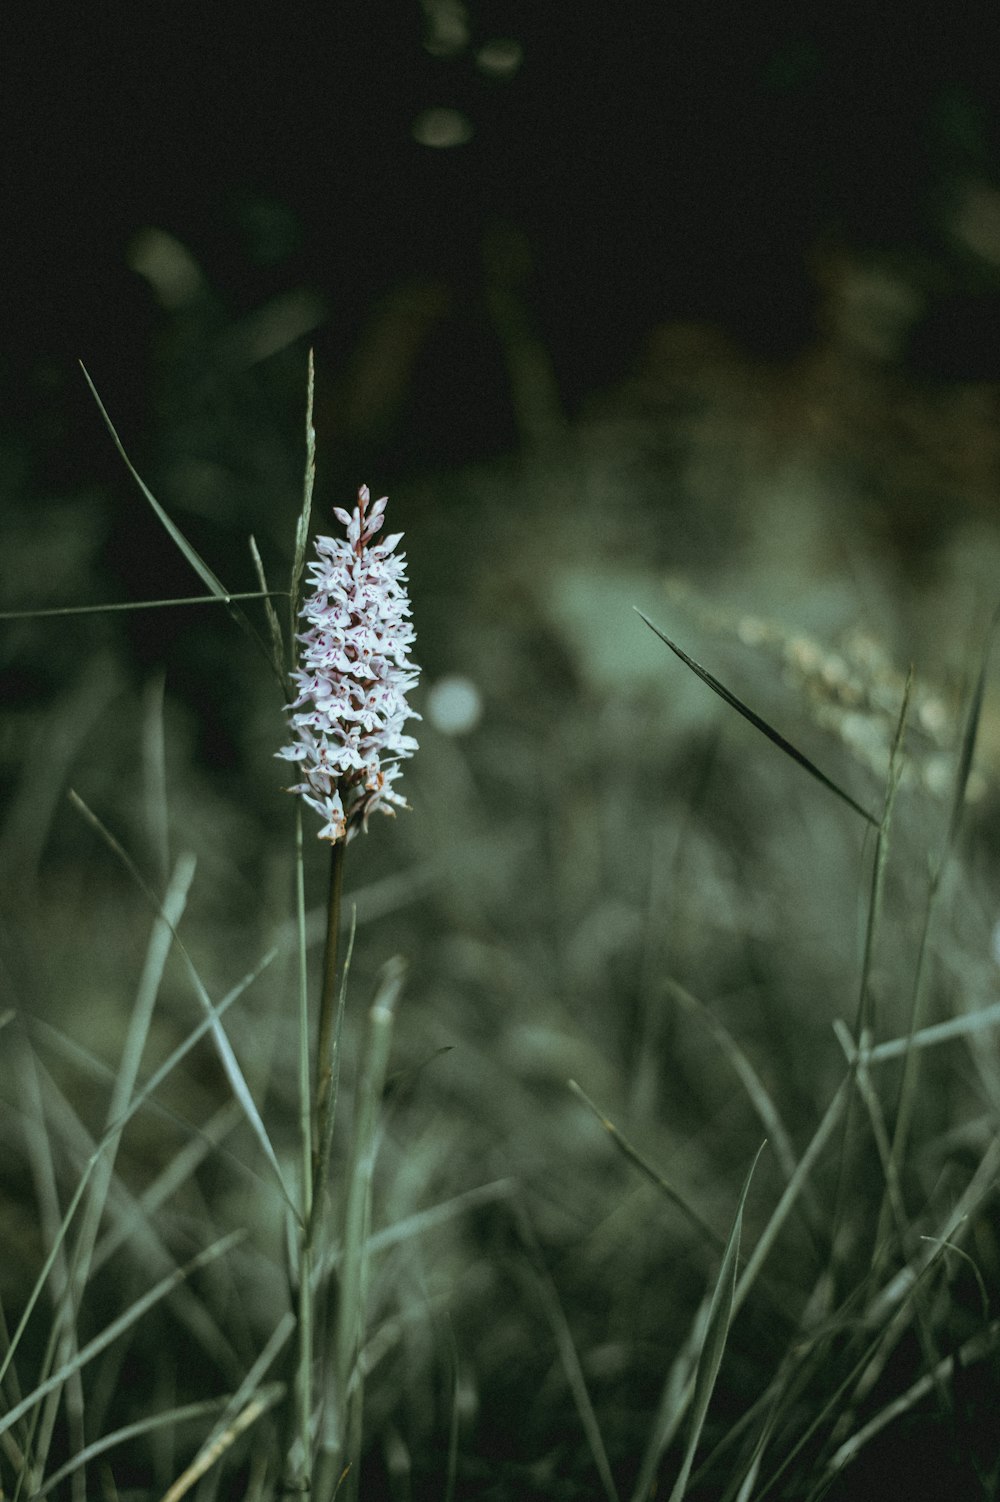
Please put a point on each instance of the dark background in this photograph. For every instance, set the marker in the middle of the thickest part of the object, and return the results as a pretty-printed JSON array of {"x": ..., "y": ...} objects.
[{"x": 654, "y": 162}]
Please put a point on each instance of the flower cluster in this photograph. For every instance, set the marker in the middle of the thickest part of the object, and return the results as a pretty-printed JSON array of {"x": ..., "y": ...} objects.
[{"x": 354, "y": 674}]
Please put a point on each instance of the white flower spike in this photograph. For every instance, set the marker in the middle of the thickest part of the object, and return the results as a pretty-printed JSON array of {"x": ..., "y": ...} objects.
[{"x": 354, "y": 674}]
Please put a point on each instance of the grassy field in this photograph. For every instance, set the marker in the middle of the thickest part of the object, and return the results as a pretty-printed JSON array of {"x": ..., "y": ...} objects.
[{"x": 626, "y": 935}]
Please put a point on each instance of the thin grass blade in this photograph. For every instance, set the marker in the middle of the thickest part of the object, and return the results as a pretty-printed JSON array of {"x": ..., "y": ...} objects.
[
  {"x": 127, "y": 1073},
  {"x": 907, "y": 1096},
  {"x": 230, "y": 1063},
  {"x": 132, "y": 1220},
  {"x": 181, "y": 1167},
  {"x": 167, "y": 1419},
  {"x": 201, "y": 568},
  {"x": 124, "y": 1082},
  {"x": 568, "y": 1356},
  {"x": 451, "y": 1468},
  {"x": 354, "y": 1269},
  {"x": 761, "y": 724},
  {"x": 118, "y": 1327},
  {"x": 206, "y": 1459},
  {"x": 720, "y": 1316},
  {"x": 138, "y": 1101},
  {"x": 984, "y": 1343},
  {"x": 675, "y": 1399},
  {"x": 193, "y": 557},
  {"x": 646, "y": 1168},
  {"x": 321, "y": 1194},
  {"x": 274, "y": 625},
  {"x": 865, "y": 1020},
  {"x": 970, "y": 735},
  {"x": 785, "y": 1205},
  {"x": 154, "y": 777},
  {"x": 305, "y": 516},
  {"x": 213, "y": 599},
  {"x": 759, "y": 1096}
]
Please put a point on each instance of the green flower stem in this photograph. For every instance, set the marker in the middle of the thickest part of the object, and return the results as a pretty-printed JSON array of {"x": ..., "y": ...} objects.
[{"x": 328, "y": 997}]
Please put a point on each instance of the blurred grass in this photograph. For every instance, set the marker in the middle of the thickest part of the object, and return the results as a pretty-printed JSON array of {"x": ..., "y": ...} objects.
[{"x": 608, "y": 859}]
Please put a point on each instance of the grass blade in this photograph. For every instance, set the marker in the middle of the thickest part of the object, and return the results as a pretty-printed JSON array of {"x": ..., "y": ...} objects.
[
  {"x": 138, "y": 1101},
  {"x": 720, "y": 1315},
  {"x": 907, "y": 1096},
  {"x": 761, "y": 724},
  {"x": 794, "y": 1188},
  {"x": 201, "y": 568},
  {"x": 354, "y": 1269},
  {"x": 969, "y": 737},
  {"x": 160, "y": 940},
  {"x": 118, "y": 1327},
  {"x": 167, "y": 1419},
  {"x": 559, "y": 1325},
  {"x": 195, "y": 559},
  {"x": 212, "y": 599},
  {"x": 206, "y": 1459},
  {"x": 865, "y": 1020},
  {"x": 646, "y": 1168},
  {"x": 305, "y": 516},
  {"x": 759, "y": 1096},
  {"x": 230, "y": 1063},
  {"x": 274, "y": 625},
  {"x": 977, "y": 1348}
]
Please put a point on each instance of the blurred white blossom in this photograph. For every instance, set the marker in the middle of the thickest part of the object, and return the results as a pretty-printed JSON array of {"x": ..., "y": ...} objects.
[{"x": 353, "y": 677}]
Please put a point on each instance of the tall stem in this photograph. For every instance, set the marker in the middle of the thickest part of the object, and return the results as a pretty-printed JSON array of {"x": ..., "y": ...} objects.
[
  {"x": 328, "y": 996},
  {"x": 300, "y": 1467}
]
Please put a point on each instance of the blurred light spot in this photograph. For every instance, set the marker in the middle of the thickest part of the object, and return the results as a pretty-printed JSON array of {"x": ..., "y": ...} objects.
[
  {"x": 167, "y": 265},
  {"x": 447, "y": 27},
  {"x": 751, "y": 631},
  {"x": 933, "y": 716},
  {"x": 939, "y": 775},
  {"x": 977, "y": 221},
  {"x": 500, "y": 58},
  {"x": 454, "y": 705},
  {"x": 442, "y": 127}
]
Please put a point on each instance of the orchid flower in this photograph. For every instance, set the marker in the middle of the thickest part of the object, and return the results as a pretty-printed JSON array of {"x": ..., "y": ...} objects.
[{"x": 353, "y": 676}]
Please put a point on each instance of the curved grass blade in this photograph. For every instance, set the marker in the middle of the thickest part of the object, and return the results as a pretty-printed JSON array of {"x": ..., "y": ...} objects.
[
  {"x": 716, "y": 1331},
  {"x": 761, "y": 724}
]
